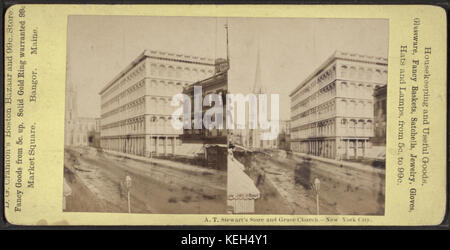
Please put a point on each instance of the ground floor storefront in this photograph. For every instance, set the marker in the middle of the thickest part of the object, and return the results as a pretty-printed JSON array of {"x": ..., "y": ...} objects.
[
  {"x": 334, "y": 148},
  {"x": 142, "y": 145}
]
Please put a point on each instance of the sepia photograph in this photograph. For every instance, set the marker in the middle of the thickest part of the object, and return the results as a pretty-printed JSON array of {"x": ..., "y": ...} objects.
[
  {"x": 320, "y": 85},
  {"x": 123, "y": 152},
  {"x": 209, "y": 115}
]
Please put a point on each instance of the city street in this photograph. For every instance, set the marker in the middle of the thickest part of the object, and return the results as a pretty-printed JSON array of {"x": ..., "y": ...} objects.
[
  {"x": 97, "y": 180},
  {"x": 286, "y": 186}
]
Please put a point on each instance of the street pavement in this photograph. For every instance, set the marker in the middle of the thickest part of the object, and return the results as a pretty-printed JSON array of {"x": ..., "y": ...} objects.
[
  {"x": 97, "y": 180},
  {"x": 287, "y": 186}
]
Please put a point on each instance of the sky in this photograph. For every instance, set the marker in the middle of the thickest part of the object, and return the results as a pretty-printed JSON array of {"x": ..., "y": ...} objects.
[{"x": 290, "y": 49}]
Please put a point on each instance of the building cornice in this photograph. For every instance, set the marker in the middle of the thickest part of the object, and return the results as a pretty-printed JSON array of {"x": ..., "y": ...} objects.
[
  {"x": 343, "y": 56},
  {"x": 159, "y": 55}
]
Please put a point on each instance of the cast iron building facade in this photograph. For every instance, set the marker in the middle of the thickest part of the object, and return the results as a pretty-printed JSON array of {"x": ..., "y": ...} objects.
[
  {"x": 332, "y": 110},
  {"x": 380, "y": 95},
  {"x": 135, "y": 105}
]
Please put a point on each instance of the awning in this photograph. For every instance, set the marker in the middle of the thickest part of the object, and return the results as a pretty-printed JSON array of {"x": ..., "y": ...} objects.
[{"x": 240, "y": 185}]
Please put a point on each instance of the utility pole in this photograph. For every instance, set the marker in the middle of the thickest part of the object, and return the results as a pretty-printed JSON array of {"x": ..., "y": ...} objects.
[{"x": 228, "y": 50}]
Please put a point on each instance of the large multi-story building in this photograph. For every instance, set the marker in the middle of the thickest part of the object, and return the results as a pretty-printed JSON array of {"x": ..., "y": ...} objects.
[
  {"x": 213, "y": 139},
  {"x": 332, "y": 110},
  {"x": 216, "y": 84},
  {"x": 135, "y": 106},
  {"x": 380, "y": 96}
]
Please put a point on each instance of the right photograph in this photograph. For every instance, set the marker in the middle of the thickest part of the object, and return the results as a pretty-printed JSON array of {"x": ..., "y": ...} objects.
[{"x": 306, "y": 116}]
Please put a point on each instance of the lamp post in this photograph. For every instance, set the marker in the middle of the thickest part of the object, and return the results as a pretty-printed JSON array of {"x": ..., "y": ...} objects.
[
  {"x": 316, "y": 186},
  {"x": 128, "y": 185}
]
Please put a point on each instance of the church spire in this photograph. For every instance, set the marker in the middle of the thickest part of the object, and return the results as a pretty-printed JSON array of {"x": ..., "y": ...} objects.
[{"x": 258, "y": 87}]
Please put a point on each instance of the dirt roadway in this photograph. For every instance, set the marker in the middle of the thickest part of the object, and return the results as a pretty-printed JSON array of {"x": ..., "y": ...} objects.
[
  {"x": 97, "y": 185},
  {"x": 287, "y": 187}
]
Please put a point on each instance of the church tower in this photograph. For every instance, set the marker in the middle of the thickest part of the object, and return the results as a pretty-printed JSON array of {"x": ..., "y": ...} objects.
[{"x": 71, "y": 112}]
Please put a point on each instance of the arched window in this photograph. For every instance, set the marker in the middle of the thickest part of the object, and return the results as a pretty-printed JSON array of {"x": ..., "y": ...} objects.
[
  {"x": 344, "y": 88},
  {"x": 361, "y": 90},
  {"x": 161, "y": 123},
  {"x": 187, "y": 74},
  {"x": 369, "y": 128},
  {"x": 360, "y": 108},
  {"x": 203, "y": 73},
  {"x": 344, "y": 71},
  {"x": 378, "y": 74},
  {"x": 352, "y": 72},
  {"x": 195, "y": 75},
  {"x": 352, "y": 107},
  {"x": 369, "y": 74},
  {"x": 352, "y": 126},
  {"x": 162, "y": 71},
  {"x": 171, "y": 71},
  {"x": 351, "y": 90},
  {"x": 369, "y": 108},
  {"x": 178, "y": 72},
  {"x": 361, "y": 73}
]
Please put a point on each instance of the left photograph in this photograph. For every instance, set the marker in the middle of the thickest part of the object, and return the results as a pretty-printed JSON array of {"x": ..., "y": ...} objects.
[{"x": 127, "y": 148}]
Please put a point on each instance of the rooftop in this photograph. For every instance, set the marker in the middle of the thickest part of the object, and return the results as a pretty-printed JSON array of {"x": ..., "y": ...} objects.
[
  {"x": 159, "y": 55},
  {"x": 346, "y": 56}
]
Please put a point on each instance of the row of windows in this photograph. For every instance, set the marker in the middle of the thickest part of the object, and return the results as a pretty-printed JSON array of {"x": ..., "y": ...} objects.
[
  {"x": 178, "y": 72},
  {"x": 154, "y": 105},
  {"x": 336, "y": 107},
  {"x": 156, "y": 88},
  {"x": 127, "y": 95},
  {"x": 162, "y": 71},
  {"x": 316, "y": 83},
  {"x": 135, "y": 126},
  {"x": 157, "y": 125},
  {"x": 138, "y": 72},
  {"x": 347, "y": 127},
  {"x": 362, "y": 73},
  {"x": 324, "y": 94},
  {"x": 345, "y": 72},
  {"x": 339, "y": 89}
]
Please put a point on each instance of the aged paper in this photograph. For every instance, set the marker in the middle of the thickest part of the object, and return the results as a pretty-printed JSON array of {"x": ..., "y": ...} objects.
[{"x": 225, "y": 115}]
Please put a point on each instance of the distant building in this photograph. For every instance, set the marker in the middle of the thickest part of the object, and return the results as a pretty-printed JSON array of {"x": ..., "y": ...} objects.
[
  {"x": 283, "y": 140},
  {"x": 94, "y": 136},
  {"x": 135, "y": 106},
  {"x": 254, "y": 139},
  {"x": 332, "y": 109},
  {"x": 80, "y": 131},
  {"x": 77, "y": 130}
]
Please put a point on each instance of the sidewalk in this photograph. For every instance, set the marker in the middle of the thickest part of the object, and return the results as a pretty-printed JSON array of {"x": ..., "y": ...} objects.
[
  {"x": 354, "y": 165},
  {"x": 165, "y": 163}
]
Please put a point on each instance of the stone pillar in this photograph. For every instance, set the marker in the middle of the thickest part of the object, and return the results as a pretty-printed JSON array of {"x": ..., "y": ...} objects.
[
  {"x": 346, "y": 148},
  {"x": 364, "y": 148},
  {"x": 147, "y": 145},
  {"x": 357, "y": 148},
  {"x": 165, "y": 145},
  {"x": 174, "y": 146}
]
